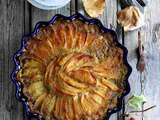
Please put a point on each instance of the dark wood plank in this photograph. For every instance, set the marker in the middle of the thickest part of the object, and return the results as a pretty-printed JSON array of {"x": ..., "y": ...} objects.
[
  {"x": 12, "y": 28},
  {"x": 27, "y": 29},
  {"x": 73, "y": 7}
]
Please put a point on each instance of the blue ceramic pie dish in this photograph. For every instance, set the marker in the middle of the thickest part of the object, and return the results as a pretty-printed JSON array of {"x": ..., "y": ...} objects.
[{"x": 19, "y": 94}]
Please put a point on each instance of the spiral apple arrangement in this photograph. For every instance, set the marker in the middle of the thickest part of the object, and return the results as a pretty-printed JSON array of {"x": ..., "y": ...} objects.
[{"x": 72, "y": 70}]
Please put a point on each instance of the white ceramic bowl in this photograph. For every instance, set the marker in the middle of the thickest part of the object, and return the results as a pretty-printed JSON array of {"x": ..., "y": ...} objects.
[{"x": 49, "y": 4}]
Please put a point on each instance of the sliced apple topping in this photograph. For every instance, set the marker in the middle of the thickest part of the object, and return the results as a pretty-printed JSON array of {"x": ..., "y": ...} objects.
[
  {"x": 72, "y": 70},
  {"x": 36, "y": 89}
]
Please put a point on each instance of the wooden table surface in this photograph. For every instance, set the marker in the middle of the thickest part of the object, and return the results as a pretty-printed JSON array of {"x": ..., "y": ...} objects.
[{"x": 18, "y": 17}]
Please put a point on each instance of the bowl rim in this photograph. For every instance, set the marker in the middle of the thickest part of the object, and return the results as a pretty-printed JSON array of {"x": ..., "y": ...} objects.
[
  {"x": 19, "y": 94},
  {"x": 52, "y": 2},
  {"x": 47, "y": 7}
]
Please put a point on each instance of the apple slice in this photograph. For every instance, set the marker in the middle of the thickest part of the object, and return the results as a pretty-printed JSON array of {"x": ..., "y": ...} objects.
[
  {"x": 50, "y": 107},
  {"x": 67, "y": 89},
  {"x": 39, "y": 101},
  {"x": 84, "y": 76},
  {"x": 36, "y": 89},
  {"x": 77, "y": 108},
  {"x": 86, "y": 106},
  {"x": 72, "y": 82},
  {"x": 94, "y": 105},
  {"x": 98, "y": 99},
  {"x": 110, "y": 85},
  {"x": 70, "y": 31},
  {"x": 69, "y": 109},
  {"x": 81, "y": 38},
  {"x": 66, "y": 58},
  {"x": 57, "y": 107},
  {"x": 100, "y": 91},
  {"x": 60, "y": 89},
  {"x": 89, "y": 39}
]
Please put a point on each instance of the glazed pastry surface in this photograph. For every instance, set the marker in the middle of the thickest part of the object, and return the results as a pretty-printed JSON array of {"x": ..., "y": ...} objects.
[{"x": 72, "y": 71}]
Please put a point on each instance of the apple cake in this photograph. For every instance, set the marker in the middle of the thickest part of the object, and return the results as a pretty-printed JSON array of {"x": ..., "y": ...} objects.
[{"x": 72, "y": 70}]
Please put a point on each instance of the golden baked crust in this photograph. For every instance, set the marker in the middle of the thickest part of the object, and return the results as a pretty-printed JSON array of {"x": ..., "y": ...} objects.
[{"x": 72, "y": 71}]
